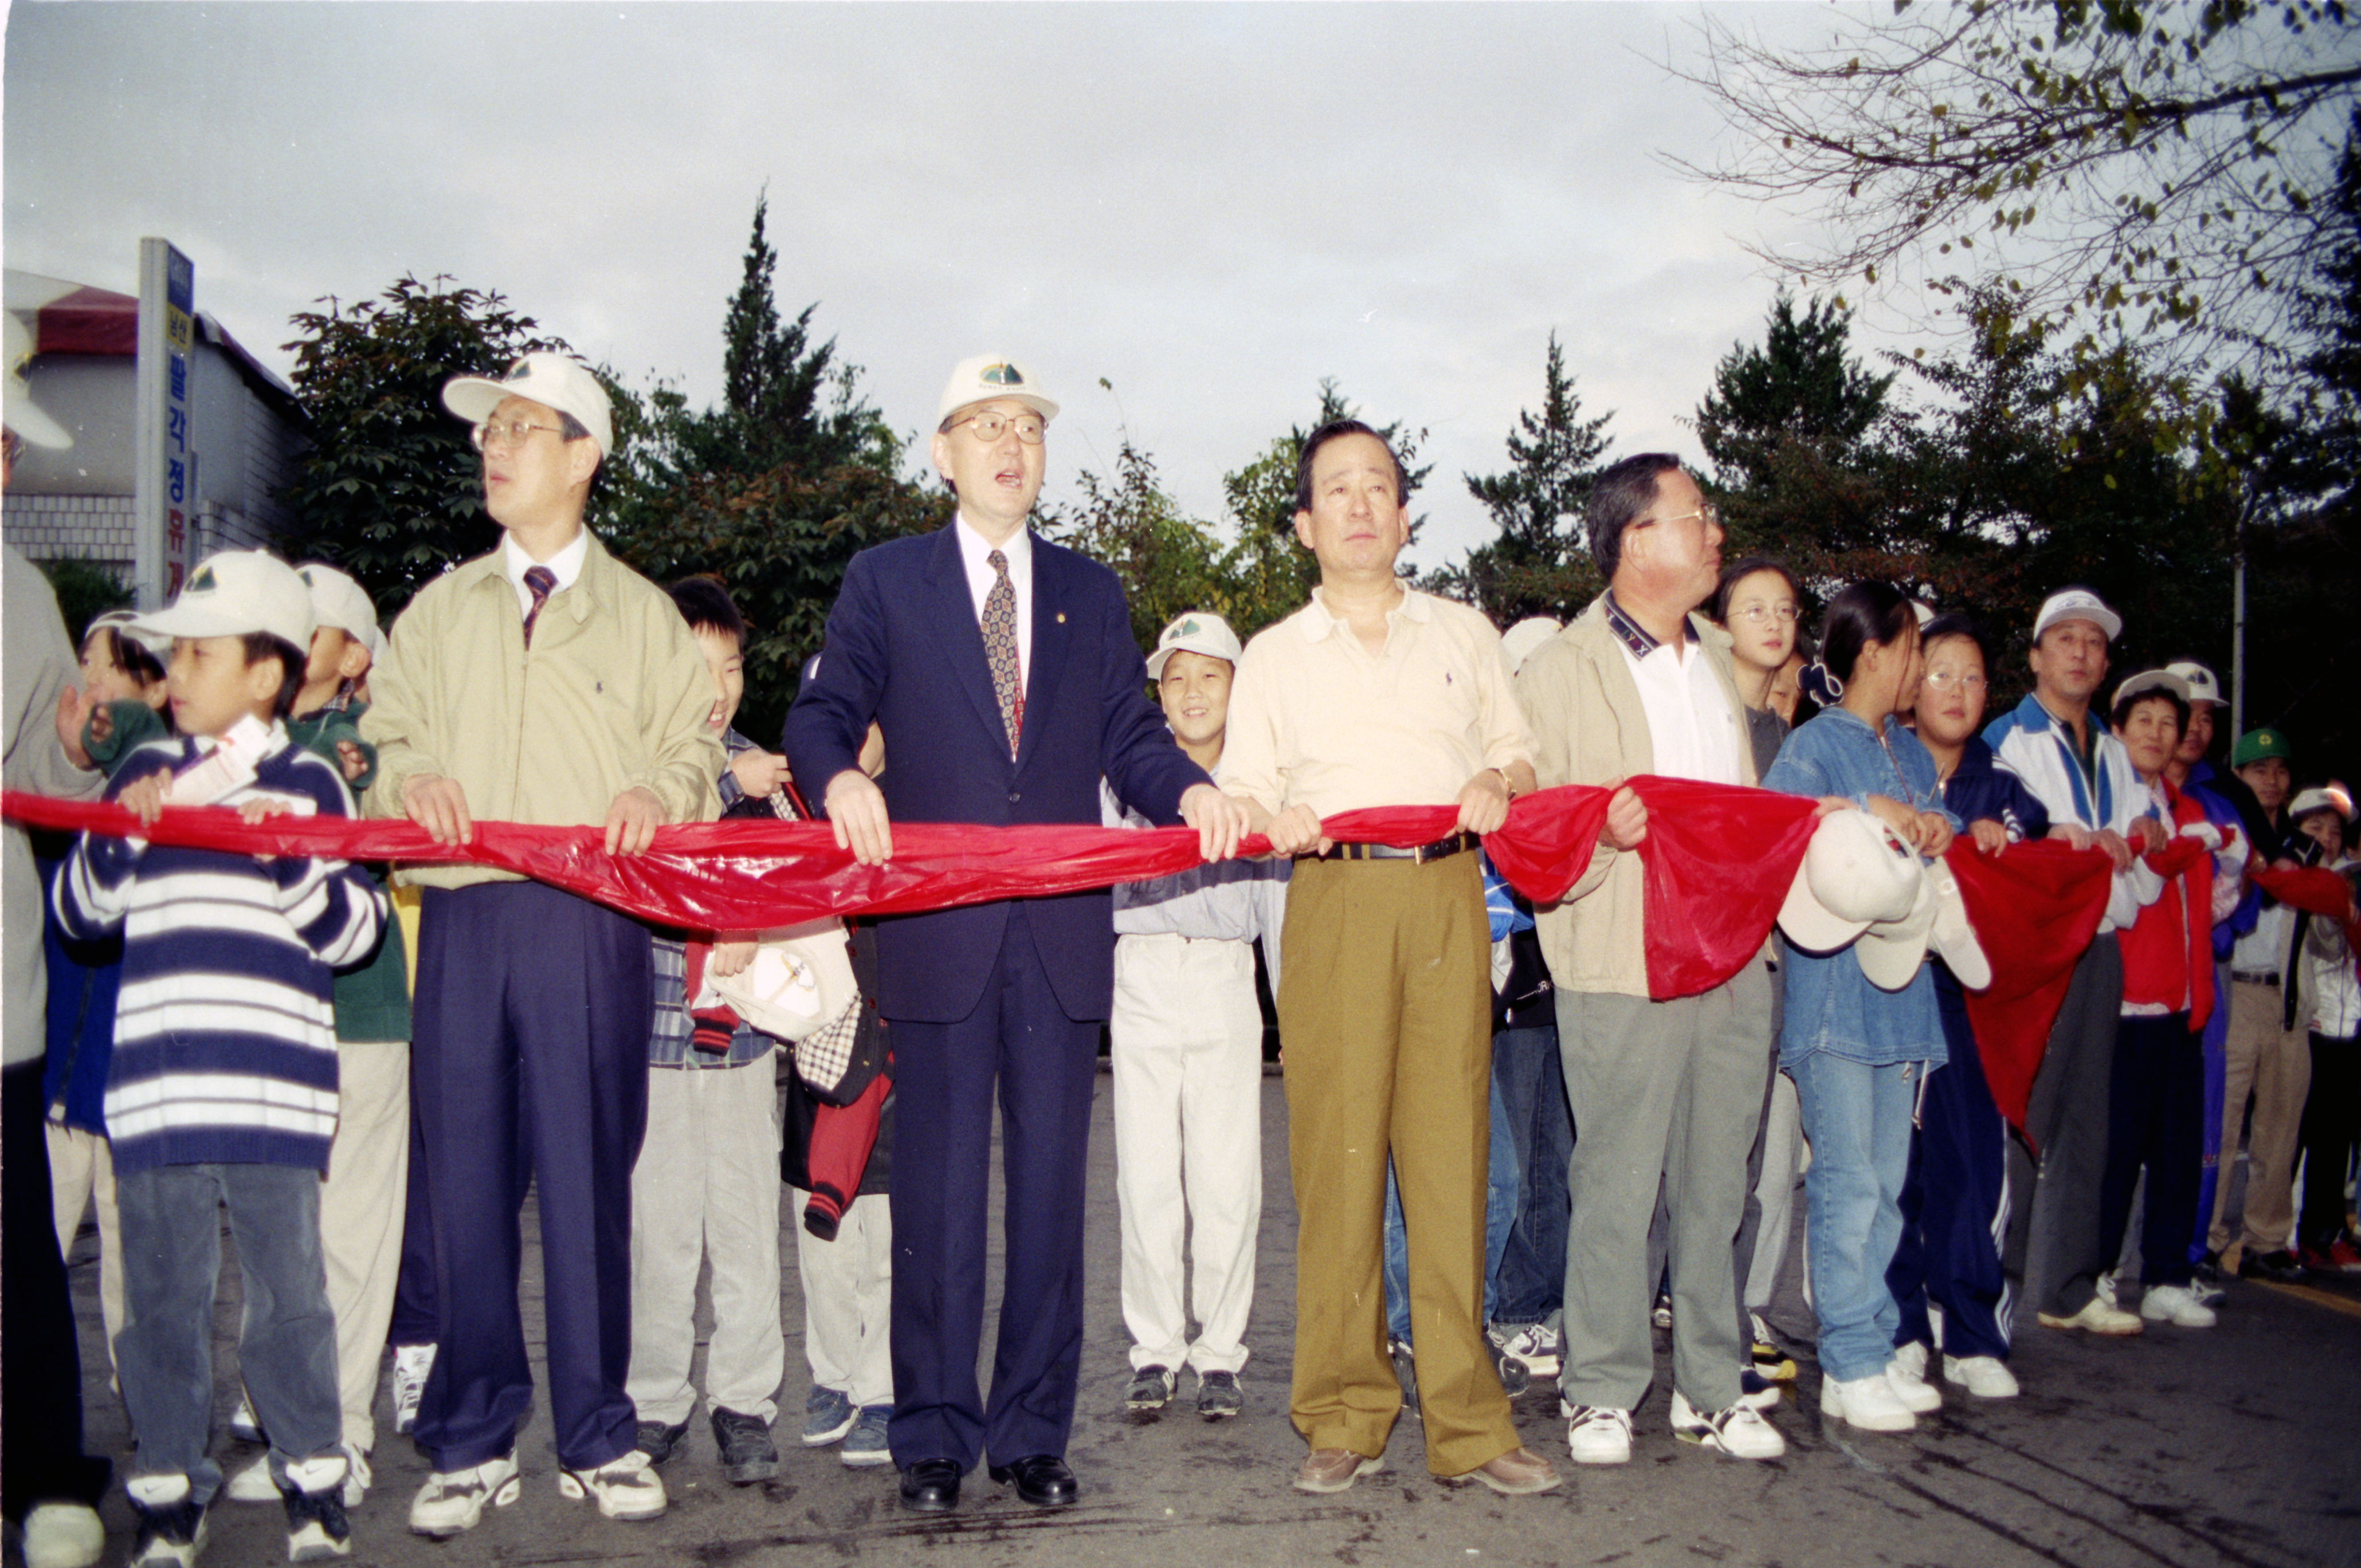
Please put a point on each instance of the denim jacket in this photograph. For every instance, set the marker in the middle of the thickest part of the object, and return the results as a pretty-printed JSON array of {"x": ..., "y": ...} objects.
[{"x": 1831, "y": 1005}]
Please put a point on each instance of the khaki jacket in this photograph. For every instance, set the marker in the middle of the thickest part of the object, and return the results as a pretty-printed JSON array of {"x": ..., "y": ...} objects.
[
  {"x": 1589, "y": 729},
  {"x": 614, "y": 693}
]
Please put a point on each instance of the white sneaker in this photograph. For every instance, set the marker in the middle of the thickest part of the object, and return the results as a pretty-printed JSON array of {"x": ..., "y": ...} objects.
[
  {"x": 1738, "y": 1431},
  {"x": 411, "y": 1363},
  {"x": 453, "y": 1501},
  {"x": 243, "y": 1425},
  {"x": 1985, "y": 1376},
  {"x": 1532, "y": 1343},
  {"x": 357, "y": 1479},
  {"x": 2105, "y": 1288},
  {"x": 626, "y": 1488},
  {"x": 1597, "y": 1435},
  {"x": 2096, "y": 1317},
  {"x": 63, "y": 1535},
  {"x": 2178, "y": 1305},
  {"x": 1868, "y": 1403},
  {"x": 1907, "y": 1373},
  {"x": 252, "y": 1483}
]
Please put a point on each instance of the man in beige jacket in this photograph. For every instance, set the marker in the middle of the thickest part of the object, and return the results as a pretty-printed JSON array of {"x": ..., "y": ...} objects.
[{"x": 1670, "y": 1090}]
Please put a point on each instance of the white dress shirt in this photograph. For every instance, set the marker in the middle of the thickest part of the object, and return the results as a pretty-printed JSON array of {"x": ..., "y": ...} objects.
[
  {"x": 974, "y": 554},
  {"x": 1693, "y": 731},
  {"x": 565, "y": 566}
]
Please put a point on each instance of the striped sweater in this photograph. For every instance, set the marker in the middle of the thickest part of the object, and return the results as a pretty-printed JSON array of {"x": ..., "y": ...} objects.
[{"x": 225, "y": 1031}]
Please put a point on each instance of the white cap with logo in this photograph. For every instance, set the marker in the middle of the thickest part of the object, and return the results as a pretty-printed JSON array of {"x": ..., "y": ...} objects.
[
  {"x": 558, "y": 381},
  {"x": 1518, "y": 643},
  {"x": 2202, "y": 686},
  {"x": 1198, "y": 631},
  {"x": 233, "y": 592},
  {"x": 989, "y": 376},
  {"x": 2077, "y": 604},
  {"x": 1861, "y": 885}
]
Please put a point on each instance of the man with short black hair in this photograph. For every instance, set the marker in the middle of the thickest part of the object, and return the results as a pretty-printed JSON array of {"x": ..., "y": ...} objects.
[
  {"x": 545, "y": 682},
  {"x": 1375, "y": 694},
  {"x": 1667, "y": 1091}
]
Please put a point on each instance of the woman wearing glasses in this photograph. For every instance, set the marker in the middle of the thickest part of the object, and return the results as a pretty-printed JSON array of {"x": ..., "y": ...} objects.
[{"x": 1759, "y": 605}]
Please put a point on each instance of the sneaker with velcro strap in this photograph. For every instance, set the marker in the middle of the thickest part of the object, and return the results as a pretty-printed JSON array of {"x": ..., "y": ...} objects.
[
  {"x": 171, "y": 1528},
  {"x": 317, "y": 1530},
  {"x": 1739, "y": 1431},
  {"x": 1151, "y": 1387},
  {"x": 453, "y": 1501},
  {"x": 1597, "y": 1435},
  {"x": 1531, "y": 1343},
  {"x": 827, "y": 1416},
  {"x": 627, "y": 1489}
]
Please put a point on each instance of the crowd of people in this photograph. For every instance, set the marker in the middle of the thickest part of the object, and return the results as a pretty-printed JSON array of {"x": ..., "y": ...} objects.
[{"x": 1511, "y": 1160}]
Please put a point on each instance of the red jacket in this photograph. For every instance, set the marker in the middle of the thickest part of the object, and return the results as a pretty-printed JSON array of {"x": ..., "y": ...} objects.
[{"x": 2169, "y": 951}]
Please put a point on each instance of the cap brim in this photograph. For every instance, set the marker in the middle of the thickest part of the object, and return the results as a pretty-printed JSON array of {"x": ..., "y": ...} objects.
[
  {"x": 2106, "y": 620},
  {"x": 1042, "y": 406},
  {"x": 1953, "y": 937},
  {"x": 37, "y": 429},
  {"x": 473, "y": 398},
  {"x": 1892, "y": 955},
  {"x": 197, "y": 620},
  {"x": 1808, "y": 922}
]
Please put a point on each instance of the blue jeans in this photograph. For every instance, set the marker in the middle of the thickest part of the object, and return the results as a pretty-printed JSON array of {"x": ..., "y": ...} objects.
[
  {"x": 1858, "y": 1118},
  {"x": 1499, "y": 1214},
  {"x": 1528, "y": 1083}
]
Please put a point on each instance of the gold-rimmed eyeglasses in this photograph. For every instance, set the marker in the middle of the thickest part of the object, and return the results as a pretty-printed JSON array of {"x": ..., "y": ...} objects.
[
  {"x": 1757, "y": 614},
  {"x": 506, "y": 434},
  {"x": 988, "y": 426}
]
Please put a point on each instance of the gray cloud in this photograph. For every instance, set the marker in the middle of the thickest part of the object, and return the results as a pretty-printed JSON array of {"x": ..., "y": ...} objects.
[{"x": 1210, "y": 206}]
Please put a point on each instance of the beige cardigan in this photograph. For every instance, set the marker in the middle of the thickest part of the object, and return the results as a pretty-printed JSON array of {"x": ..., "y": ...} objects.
[{"x": 1590, "y": 728}]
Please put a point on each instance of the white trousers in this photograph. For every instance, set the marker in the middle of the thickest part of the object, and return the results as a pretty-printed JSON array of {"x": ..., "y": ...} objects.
[
  {"x": 1187, "y": 1144},
  {"x": 706, "y": 1190},
  {"x": 82, "y": 1172},
  {"x": 361, "y": 1208},
  {"x": 849, "y": 1299}
]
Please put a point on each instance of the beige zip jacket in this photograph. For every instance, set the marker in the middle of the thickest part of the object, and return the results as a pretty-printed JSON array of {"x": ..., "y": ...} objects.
[
  {"x": 613, "y": 693},
  {"x": 1588, "y": 727}
]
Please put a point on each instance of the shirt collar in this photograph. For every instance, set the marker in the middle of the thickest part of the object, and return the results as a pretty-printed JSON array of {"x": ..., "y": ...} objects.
[
  {"x": 1318, "y": 621},
  {"x": 976, "y": 551},
  {"x": 1636, "y": 637},
  {"x": 565, "y": 566}
]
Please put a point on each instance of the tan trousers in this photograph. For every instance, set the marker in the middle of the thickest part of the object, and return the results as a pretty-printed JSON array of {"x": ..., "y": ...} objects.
[
  {"x": 361, "y": 1206},
  {"x": 1385, "y": 1015},
  {"x": 2275, "y": 1066},
  {"x": 82, "y": 1172}
]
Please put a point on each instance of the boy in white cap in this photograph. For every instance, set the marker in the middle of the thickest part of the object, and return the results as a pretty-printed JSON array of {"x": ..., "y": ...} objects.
[
  {"x": 2074, "y": 765},
  {"x": 223, "y": 1088},
  {"x": 545, "y": 682},
  {"x": 1188, "y": 1064}
]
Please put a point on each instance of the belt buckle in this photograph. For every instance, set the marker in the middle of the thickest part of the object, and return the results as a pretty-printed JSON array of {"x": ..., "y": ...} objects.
[{"x": 1437, "y": 850}]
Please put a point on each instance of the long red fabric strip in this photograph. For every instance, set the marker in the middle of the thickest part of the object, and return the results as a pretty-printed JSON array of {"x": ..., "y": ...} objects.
[{"x": 2035, "y": 908}]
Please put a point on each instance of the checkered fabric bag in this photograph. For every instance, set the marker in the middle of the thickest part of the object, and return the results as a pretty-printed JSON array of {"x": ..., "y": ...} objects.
[{"x": 823, "y": 1057}]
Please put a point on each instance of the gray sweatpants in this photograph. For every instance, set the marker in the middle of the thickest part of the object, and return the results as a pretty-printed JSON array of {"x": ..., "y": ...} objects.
[
  {"x": 2066, "y": 1119},
  {"x": 1669, "y": 1093}
]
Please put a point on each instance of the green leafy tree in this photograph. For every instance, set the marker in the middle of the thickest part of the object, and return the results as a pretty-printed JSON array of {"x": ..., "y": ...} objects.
[
  {"x": 1540, "y": 562},
  {"x": 390, "y": 489},
  {"x": 2115, "y": 167},
  {"x": 1167, "y": 562},
  {"x": 85, "y": 592}
]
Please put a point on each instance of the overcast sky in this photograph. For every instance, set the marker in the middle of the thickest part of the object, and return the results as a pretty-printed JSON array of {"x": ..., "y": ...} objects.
[{"x": 1212, "y": 207}]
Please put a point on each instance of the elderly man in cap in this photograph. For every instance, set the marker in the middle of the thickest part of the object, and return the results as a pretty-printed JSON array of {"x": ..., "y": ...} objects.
[
  {"x": 1187, "y": 1050},
  {"x": 545, "y": 682},
  {"x": 1672, "y": 1091},
  {"x": 2080, "y": 771},
  {"x": 1003, "y": 672},
  {"x": 2266, "y": 1055},
  {"x": 48, "y": 1488},
  {"x": 1377, "y": 695}
]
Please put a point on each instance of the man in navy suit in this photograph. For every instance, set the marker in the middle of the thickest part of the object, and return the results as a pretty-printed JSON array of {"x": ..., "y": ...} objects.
[{"x": 1003, "y": 671}]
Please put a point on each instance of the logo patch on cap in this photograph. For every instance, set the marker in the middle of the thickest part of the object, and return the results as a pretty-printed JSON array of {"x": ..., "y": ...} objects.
[
  {"x": 202, "y": 580},
  {"x": 1002, "y": 374},
  {"x": 1186, "y": 629}
]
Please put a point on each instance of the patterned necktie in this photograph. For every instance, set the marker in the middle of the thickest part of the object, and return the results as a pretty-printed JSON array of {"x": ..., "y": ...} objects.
[
  {"x": 1000, "y": 648},
  {"x": 541, "y": 582}
]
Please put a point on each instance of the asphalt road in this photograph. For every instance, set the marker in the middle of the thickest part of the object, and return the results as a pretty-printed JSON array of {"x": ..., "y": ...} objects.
[{"x": 2236, "y": 1446}]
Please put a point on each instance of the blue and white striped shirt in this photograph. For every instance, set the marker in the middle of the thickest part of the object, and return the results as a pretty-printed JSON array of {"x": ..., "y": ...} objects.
[{"x": 225, "y": 1031}]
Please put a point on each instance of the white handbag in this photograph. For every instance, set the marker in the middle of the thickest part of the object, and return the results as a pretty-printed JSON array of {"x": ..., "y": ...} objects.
[{"x": 799, "y": 981}]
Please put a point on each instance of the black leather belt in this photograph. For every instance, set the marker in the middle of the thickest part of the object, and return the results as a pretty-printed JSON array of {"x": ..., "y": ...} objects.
[
  {"x": 1441, "y": 849},
  {"x": 2266, "y": 978}
]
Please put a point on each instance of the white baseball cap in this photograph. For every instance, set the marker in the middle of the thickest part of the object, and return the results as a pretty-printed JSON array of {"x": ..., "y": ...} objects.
[
  {"x": 2077, "y": 604},
  {"x": 24, "y": 415},
  {"x": 2147, "y": 681},
  {"x": 554, "y": 380},
  {"x": 127, "y": 623},
  {"x": 1856, "y": 873},
  {"x": 340, "y": 602},
  {"x": 1198, "y": 631},
  {"x": 2202, "y": 686},
  {"x": 989, "y": 376},
  {"x": 236, "y": 591},
  {"x": 2321, "y": 798},
  {"x": 1891, "y": 954},
  {"x": 1520, "y": 641}
]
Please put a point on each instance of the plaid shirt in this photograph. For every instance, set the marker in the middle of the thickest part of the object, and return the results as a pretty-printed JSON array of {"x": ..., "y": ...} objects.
[{"x": 668, "y": 1042}]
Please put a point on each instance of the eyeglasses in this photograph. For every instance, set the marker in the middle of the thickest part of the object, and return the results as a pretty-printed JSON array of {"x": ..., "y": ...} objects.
[
  {"x": 506, "y": 432},
  {"x": 1756, "y": 614},
  {"x": 988, "y": 426},
  {"x": 1944, "y": 680},
  {"x": 1709, "y": 512}
]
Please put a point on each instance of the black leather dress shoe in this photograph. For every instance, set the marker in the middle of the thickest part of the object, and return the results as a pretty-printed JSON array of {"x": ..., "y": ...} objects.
[
  {"x": 931, "y": 1486},
  {"x": 1042, "y": 1480}
]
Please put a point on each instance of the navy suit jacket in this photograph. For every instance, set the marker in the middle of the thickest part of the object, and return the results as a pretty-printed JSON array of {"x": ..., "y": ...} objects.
[{"x": 903, "y": 648}]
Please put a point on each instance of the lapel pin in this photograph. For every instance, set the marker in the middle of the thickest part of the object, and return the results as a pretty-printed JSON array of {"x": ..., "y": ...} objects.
[{"x": 1061, "y": 618}]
